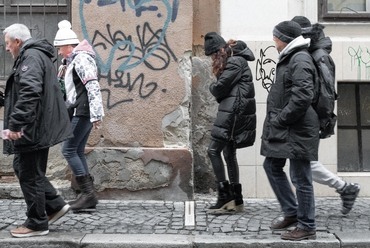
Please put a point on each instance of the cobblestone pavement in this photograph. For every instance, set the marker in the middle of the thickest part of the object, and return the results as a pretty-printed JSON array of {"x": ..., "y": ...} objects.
[{"x": 167, "y": 217}]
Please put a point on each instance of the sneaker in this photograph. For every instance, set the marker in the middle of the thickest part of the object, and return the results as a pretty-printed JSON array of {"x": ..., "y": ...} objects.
[
  {"x": 348, "y": 195},
  {"x": 282, "y": 223},
  {"x": 299, "y": 234},
  {"x": 56, "y": 216},
  {"x": 24, "y": 232}
]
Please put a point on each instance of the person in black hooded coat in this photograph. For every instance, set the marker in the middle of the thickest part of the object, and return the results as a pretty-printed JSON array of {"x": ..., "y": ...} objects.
[
  {"x": 291, "y": 131},
  {"x": 235, "y": 124},
  {"x": 35, "y": 119},
  {"x": 321, "y": 47}
]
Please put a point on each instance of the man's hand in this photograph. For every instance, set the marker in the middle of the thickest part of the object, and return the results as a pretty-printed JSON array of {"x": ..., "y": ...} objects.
[
  {"x": 10, "y": 135},
  {"x": 14, "y": 135}
]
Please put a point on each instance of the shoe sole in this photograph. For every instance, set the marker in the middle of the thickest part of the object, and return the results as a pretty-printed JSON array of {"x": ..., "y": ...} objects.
[
  {"x": 31, "y": 234},
  {"x": 60, "y": 214},
  {"x": 84, "y": 210},
  {"x": 220, "y": 211},
  {"x": 226, "y": 208},
  {"x": 309, "y": 237}
]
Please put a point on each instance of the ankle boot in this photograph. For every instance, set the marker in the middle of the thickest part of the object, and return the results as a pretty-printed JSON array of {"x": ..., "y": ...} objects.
[
  {"x": 87, "y": 199},
  {"x": 78, "y": 190},
  {"x": 237, "y": 190},
  {"x": 225, "y": 201}
]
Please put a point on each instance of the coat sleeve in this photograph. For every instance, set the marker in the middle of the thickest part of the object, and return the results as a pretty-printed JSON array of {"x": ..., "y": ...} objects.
[
  {"x": 302, "y": 92},
  {"x": 87, "y": 71},
  {"x": 30, "y": 80},
  {"x": 226, "y": 81}
]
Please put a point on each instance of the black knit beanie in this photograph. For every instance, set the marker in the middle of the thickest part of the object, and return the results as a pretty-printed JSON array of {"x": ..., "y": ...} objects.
[
  {"x": 304, "y": 23},
  {"x": 213, "y": 42},
  {"x": 287, "y": 31}
]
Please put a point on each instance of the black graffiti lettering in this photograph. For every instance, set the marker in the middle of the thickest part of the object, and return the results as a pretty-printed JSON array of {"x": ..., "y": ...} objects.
[
  {"x": 111, "y": 40},
  {"x": 125, "y": 51},
  {"x": 267, "y": 78},
  {"x": 145, "y": 90},
  {"x": 148, "y": 40}
]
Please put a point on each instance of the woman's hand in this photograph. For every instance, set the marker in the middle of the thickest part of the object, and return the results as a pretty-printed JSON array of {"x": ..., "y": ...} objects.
[{"x": 96, "y": 124}]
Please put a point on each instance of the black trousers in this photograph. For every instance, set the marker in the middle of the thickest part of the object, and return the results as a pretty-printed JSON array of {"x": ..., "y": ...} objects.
[
  {"x": 229, "y": 151},
  {"x": 40, "y": 195}
]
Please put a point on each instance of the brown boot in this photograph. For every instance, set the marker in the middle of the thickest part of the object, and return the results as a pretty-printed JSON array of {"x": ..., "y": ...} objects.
[
  {"x": 282, "y": 223},
  {"x": 299, "y": 234}
]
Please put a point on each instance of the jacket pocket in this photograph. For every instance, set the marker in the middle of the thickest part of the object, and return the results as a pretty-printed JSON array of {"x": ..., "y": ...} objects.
[{"x": 276, "y": 131}]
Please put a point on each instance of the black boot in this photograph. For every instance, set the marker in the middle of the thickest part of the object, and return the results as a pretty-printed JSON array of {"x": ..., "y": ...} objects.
[
  {"x": 237, "y": 190},
  {"x": 77, "y": 189},
  {"x": 225, "y": 201},
  {"x": 87, "y": 200}
]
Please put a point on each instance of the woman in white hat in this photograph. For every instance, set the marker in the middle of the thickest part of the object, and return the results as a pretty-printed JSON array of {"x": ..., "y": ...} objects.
[{"x": 84, "y": 102}]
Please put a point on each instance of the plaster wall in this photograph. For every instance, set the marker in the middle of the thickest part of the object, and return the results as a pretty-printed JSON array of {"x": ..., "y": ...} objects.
[
  {"x": 253, "y": 22},
  {"x": 143, "y": 54}
]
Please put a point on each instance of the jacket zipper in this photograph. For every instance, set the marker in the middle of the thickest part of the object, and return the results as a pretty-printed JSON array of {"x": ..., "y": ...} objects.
[{"x": 233, "y": 129}]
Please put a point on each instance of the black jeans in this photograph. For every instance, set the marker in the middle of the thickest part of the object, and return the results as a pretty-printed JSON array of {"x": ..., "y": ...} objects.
[
  {"x": 229, "y": 151},
  {"x": 40, "y": 195}
]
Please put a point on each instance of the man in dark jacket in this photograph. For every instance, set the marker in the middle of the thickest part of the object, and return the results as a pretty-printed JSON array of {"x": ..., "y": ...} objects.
[
  {"x": 291, "y": 131},
  {"x": 35, "y": 118},
  {"x": 322, "y": 45}
]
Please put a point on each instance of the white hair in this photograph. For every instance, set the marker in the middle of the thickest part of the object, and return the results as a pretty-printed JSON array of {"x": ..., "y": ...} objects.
[{"x": 18, "y": 31}]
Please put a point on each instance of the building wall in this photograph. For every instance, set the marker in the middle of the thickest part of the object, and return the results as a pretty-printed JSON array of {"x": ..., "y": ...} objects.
[
  {"x": 253, "y": 21},
  {"x": 143, "y": 54},
  {"x": 154, "y": 78}
]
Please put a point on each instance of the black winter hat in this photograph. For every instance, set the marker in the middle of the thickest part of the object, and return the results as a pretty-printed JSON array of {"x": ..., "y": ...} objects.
[
  {"x": 304, "y": 23},
  {"x": 287, "y": 31},
  {"x": 213, "y": 42}
]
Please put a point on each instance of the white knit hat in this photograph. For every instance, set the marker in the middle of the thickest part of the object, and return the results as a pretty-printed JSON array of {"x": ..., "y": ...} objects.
[{"x": 65, "y": 35}]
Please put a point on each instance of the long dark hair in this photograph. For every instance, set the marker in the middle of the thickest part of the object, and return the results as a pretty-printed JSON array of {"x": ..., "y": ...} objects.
[{"x": 220, "y": 57}]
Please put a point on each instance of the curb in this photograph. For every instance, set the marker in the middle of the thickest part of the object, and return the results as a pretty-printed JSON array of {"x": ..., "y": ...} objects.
[{"x": 79, "y": 240}]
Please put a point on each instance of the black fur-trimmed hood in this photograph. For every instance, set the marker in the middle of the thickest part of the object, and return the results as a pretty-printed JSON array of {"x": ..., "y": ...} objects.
[{"x": 318, "y": 39}]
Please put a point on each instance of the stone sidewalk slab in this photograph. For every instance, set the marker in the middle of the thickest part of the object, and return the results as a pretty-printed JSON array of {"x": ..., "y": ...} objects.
[
  {"x": 357, "y": 238},
  {"x": 138, "y": 224},
  {"x": 75, "y": 240}
]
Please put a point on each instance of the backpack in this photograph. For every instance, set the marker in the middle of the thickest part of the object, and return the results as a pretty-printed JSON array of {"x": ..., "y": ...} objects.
[{"x": 326, "y": 95}]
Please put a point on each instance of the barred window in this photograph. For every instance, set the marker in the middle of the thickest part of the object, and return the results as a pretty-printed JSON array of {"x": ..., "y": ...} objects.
[
  {"x": 344, "y": 10},
  {"x": 40, "y": 16}
]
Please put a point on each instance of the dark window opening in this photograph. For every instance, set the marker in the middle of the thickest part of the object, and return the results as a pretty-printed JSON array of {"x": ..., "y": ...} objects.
[
  {"x": 41, "y": 16},
  {"x": 344, "y": 10},
  {"x": 353, "y": 126}
]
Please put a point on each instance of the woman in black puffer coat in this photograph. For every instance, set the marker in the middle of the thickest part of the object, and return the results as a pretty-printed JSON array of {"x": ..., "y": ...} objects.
[{"x": 235, "y": 124}]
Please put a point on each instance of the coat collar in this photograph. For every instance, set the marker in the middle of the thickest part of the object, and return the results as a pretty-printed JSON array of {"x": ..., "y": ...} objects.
[{"x": 298, "y": 42}]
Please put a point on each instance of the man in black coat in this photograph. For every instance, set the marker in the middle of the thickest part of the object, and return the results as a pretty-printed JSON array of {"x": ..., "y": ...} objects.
[
  {"x": 322, "y": 45},
  {"x": 291, "y": 131},
  {"x": 35, "y": 118}
]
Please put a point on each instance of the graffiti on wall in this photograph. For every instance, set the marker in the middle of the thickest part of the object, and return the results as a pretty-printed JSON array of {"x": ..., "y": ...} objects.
[
  {"x": 265, "y": 67},
  {"x": 360, "y": 60},
  {"x": 146, "y": 46}
]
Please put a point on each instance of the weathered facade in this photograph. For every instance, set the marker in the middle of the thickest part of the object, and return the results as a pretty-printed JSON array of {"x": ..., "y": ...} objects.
[{"x": 154, "y": 79}]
